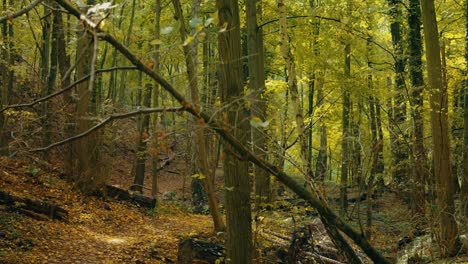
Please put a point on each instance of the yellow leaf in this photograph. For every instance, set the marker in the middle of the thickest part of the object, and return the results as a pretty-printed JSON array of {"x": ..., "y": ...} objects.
[
  {"x": 188, "y": 40},
  {"x": 199, "y": 27}
]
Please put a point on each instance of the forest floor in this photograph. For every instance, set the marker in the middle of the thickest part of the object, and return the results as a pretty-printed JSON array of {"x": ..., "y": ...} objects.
[
  {"x": 97, "y": 230},
  {"x": 103, "y": 230}
]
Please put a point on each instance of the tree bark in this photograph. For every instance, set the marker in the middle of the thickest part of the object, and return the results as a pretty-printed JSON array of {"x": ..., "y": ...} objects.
[
  {"x": 258, "y": 104},
  {"x": 419, "y": 167},
  {"x": 87, "y": 149},
  {"x": 399, "y": 107},
  {"x": 447, "y": 230},
  {"x": 237, "y": 181}
]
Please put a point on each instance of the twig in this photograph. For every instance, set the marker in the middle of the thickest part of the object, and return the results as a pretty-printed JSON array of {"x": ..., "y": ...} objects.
[
  {"x": 105, "y": 121},
  {"x": 20, "y": 12}
]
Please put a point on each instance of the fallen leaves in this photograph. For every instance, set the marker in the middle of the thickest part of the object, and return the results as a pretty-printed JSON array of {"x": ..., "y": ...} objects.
[{"x": 98, "y": 231}]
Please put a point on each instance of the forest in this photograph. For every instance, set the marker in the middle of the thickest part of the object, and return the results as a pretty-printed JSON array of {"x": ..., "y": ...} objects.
[{"x": 234, "y": 131}]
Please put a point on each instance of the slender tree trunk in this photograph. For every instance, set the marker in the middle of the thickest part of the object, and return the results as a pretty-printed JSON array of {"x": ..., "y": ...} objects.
[
  {"x": 63, "y": 65},
  {"x": 419, "y": 168},
  {"x": 322, "y": 157},
  {"x": 399, "y": 108},
  {"x": 201, "y": 155},
  {"x": 293, "y": 89},
  {"x": 258, "y": 105},
  {"x": 321, "y": 167},
  {"x": 156, "y": 92},
  {"x": 128, "y": 37},
  {"x": 345, "y": 142},
  {"x": 7, "y": 75},
  {"x": 447, "y": 230},
  {"x": 237, "y": 180},
  {"x": 44, "y": 70}
]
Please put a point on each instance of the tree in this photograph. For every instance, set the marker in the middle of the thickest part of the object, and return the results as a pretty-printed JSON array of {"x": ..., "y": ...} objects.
[
  {"x": 257, "y": 89},
  {"x": 464, "y": 192},
  {"x": 419, "y": 168},
  {"x": 7, "y": 76},
  {"x": 399, "y": 106},
  {"x": 88, "y": 168},
  {"x": 237, "y": 182},
  {"x": 447, "y": 231},
  {"x": 200, "y": 145}
]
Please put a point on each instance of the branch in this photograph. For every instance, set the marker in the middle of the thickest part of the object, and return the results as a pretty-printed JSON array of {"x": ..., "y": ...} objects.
[
  {"x": 20, "y": 12},
  {"x": 332, "y": 218},
  {"x": 108, "y": 120},
  {"x": 69, "y": 87}
]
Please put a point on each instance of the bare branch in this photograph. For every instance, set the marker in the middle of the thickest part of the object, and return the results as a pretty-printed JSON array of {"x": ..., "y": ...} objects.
[
  {"x": 108, "y": 120},
  {"x": 50, "y": 96},
  {"x": 20, "y": 12}
]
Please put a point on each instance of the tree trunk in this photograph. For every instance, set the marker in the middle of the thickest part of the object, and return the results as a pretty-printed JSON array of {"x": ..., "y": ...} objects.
[
  {"x": 419, "y": 168},
  {"x": 201, "y": 153},
  {"x": 258, "y": 103},
  {"x": 322, "y": 157},
  {"x": 447, "y": 230},
  {"x": 156, "y": 92},
  {"x": 47, "y": 72},
  {"x": 399, "y": 108},
  {"x": 7, "y": 75},
  {"x": 293, "y": 90},
  {"x": 237, "y": 181},
  {"x": 345, "y": 142},
  {"x": 89, "y": 176}
]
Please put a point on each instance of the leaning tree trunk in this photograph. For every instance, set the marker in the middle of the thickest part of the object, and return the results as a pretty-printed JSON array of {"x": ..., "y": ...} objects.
[{"x": 447, "y": 230}]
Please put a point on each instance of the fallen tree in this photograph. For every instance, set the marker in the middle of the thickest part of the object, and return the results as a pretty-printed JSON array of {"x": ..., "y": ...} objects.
[
  {"x": 331, "y": 217},
  {"x": 129, "y": 196},
  {"x": 34, "y": 208}
]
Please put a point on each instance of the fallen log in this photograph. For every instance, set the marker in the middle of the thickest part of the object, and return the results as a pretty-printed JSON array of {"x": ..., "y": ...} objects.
[
  {"x": 33, "y": 208},
  {"x": 130, "y": 196},
  {"x": 199, "y": 251}
]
